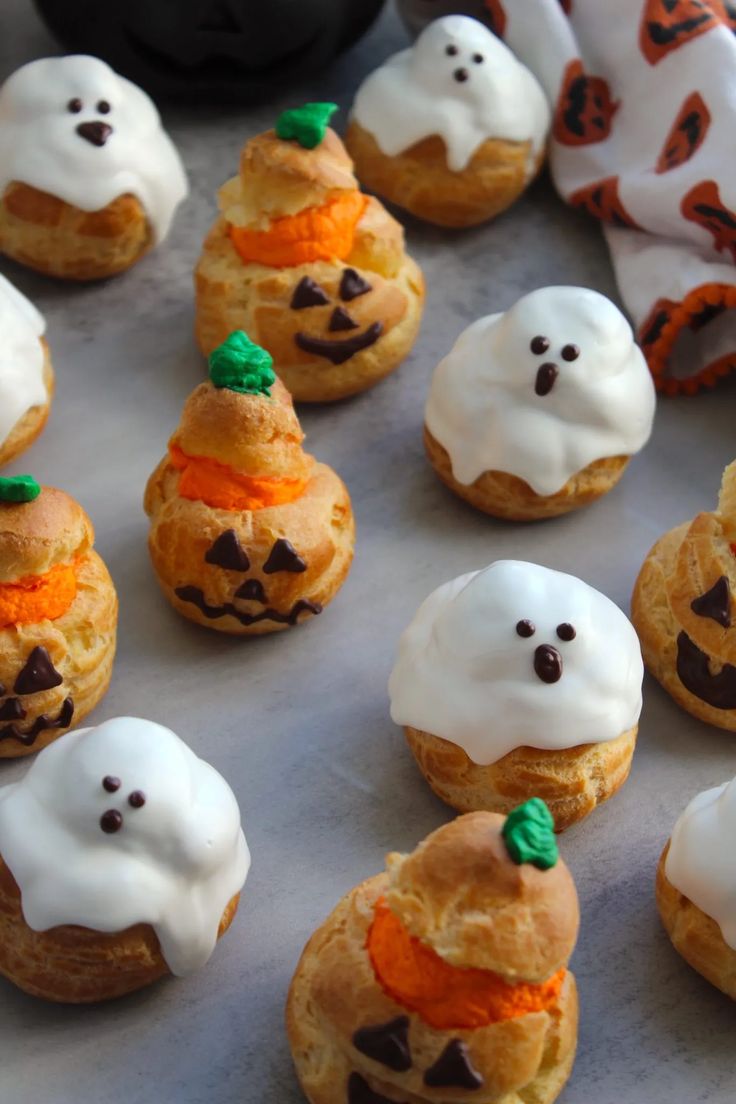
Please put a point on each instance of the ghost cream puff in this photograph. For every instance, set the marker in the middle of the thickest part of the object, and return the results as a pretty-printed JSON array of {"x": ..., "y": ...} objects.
[
  {"x": 696, "y": 886},
  {"x": 518, "y": 681},
  {"x": 537, "y": 411},
  {"x": 452, "y": 129},
  {"x": 683, "y": 610},
  {"x": 58, "y": 616},
  {"x": 446, "y": 977},
  {"x": 249, "y": 533},
  {"x": 26, "y": 375},
  {"x": 310, "y": 267},
  {"x": 121, "y": 861},
  {"x": 89, "y": 180}
]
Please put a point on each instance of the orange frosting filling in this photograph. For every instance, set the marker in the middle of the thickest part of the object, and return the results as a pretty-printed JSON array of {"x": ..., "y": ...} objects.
[
  {"x": 38, "y": 597},
  {"x": 447, "y": 997},
  {"x": 218, "y": 485},
  {"x": 315, "y": 234}
]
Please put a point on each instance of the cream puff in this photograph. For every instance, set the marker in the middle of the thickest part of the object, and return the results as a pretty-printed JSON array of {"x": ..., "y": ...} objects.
[
  {"x": 312, "y": 269},
  {"x": 89, "y": 180},
  {"x": 249, "y": 533},
  {"x": 58, "y": 616},
  {"x": 452, "y": 129},
  {"x": 696, "y": 886},
  {"x": 26, "y": 375},
  {"x": 121, "y": 861},
  {"x": 537, "y": 411},
  {"x": 518, "y": 681},
  {"x": 446, "y": 977},
  {"x": 683, "y": 610}
]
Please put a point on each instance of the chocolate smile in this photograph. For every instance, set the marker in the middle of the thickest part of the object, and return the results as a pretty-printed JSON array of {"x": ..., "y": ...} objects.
[
  {"x": 41, "y": 724},
  {"x": 337, "y": 352},
  {"x": 196, "y": 596},
  {"x": 97, "y": 132},
  {"x": 694, "y": 673}
]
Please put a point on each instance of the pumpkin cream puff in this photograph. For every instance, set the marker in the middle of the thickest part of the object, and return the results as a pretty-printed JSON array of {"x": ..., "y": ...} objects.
[
  {"x": 26, "y": 375},
  {"x": 249, "y": 533},
  {"x": 518, "y": 681},
  {"x": 537, "y": 411},
  {"x": 121, "y": 861},
  {"x": 89, "y": 180},
  {"x": 446, "y": 975},
  {"x": 315, "y": 271},
  {"x": 696, "y": 886},
  {"x": 452, "y": 129},
  {"x": 683, "y": 610},
  {"x": 58, "y": 616}
]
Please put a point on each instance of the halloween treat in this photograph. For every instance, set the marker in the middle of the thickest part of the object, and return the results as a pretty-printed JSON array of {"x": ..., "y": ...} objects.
[
  {"x": 445, "y": 975},
  {"x": 121, "y": 860},
  {"x": 696, "y": 886},
  {"x": 89, "y": 181},
  {"x": 537, "y": 411},
  {"x": 682, "y": 608},
  {"x": 249, "y": 534},
  {"x": 26, "y": 375},
  {"x": 58, "y": 616},
  {"x": 453, "y": 129},
  {"x": 515, "y": 681},
  {"x": 308, "y": 266}
]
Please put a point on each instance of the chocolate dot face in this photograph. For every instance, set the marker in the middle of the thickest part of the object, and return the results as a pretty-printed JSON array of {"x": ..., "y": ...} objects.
[
  {"x": 103, "y": 107},
  {"x": 570, "y": 352},
  {"x": 111, "y": 821},
  {"x": 539, "y": 345},
  {"x": 461, "y": 75},
  {"x": 451, "y": 51},
  {"x": 547, "y": 663},
  {"x": 111, "y": 783},
  {"x": 137, "y": 799},
  {"x": 525, "y": 628},
  {"x": 545, "y": 381},
  {"x": 75, "y": 106},
  {"x": 566, "y": 631}
]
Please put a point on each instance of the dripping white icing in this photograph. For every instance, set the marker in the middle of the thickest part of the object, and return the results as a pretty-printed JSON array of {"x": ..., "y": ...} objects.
[{"x": 21, "y": 357}]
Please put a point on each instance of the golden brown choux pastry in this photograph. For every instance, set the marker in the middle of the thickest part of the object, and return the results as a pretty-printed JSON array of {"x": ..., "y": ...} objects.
[
  {"x": 58, "y": 616},
  {"x": 249, "y": 533},
  {"x": 312, "y": 269},
  {"x": 89, "y": 181},
  {"x": 121, "y": 861},
  {"x": 696, "y": 886},
  {"x": 518, "y": 681},
  {"x": 682, "y": 608},
  {"x": 452, "y": 129},
  {"x": 26, "y": 375},
  {"x": 446, "y": 976}
]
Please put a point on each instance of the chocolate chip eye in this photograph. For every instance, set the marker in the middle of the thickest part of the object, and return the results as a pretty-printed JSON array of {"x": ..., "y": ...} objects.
[
  {"x": 111, "y": 783},
  {"x": 137, "y": 799},
  {"x": 570, "y": 352},
  {"x": 111, "y": 821},
  {"x": 478, "y": 58},
  {"x": 525, "y": 628},
  {"x": 451, "y": 51},
  {"x": 75, "y": 106},
  {"x": 539, "y": 345},
  {"x": 103, "y": 107},
  {"x": 565, "y": 631}
]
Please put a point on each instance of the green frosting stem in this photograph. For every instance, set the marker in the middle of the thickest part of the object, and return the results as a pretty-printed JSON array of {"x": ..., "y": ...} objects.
[
  {"x": 529, "y": 834},
  {"x": 241, "y": 365},
  {"x": 305, "y": 125},
  {"x": 18, "y": 488}
]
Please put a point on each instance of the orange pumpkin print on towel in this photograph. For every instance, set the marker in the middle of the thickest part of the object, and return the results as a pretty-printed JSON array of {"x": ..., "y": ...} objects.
[
  {"x": 686, "y": 134},
  {"x": 668, "y": 24},
  {"x": 703, "y": 205},
  {"x": 601, "y": 199},
  {"x": 585, "y": 108}
]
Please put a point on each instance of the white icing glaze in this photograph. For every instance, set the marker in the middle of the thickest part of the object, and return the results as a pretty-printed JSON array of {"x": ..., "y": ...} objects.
[
  {"x": 415, "y": 94},
  {"x": 463, "y": 672},
  {"x": 483, "y": 407},
  {"x": 21, "y": 357},
  {"x": 174, "y": 864},
  {"x": 40, "y": 146},
  {"x": 701, "y": 861}
]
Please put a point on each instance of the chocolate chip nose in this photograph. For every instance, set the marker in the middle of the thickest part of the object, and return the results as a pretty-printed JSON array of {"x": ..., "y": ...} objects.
[
  {"x": 547, "y": 663},
  {"x": 546, "y": 376},
  {"x": 97, "y": 132},
  {"x": 461, "y": 75}
]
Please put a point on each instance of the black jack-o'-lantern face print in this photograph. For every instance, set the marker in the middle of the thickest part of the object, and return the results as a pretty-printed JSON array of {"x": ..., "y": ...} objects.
[
  {"x": 602, "y": 199},
  {"x": 250, "y": 602},
  {"x": 19, "y": 720},
  {"x": 329, "y": 318},
  {"x": 585, "y": 108},
  {"x": 667, "y": 25},
  {"x": 704, "y": 206},
  {"x": 388, "y": 1045},
  {"x": 686, "y": 135},
  {"x": 715, "y": 684}
]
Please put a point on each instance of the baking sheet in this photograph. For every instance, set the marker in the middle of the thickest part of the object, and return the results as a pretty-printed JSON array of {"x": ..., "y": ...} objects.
[{"x": 298, "y": 723}]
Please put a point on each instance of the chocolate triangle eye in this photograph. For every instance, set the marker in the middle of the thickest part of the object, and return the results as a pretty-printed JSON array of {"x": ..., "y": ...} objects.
[
  {"x": 38, "y": 674},
  {"x": 453, "y": 1069},
  {"x": 252, "y": 590},
  {"x": 387, "y": 1043},
  {"x": 227, "y": 552},
  {"x": 352, "y": 285},
  {"x": 715, "y": 603},
  {"x": 341, "y": 320},
  {"x": 283, "y": 557},
  {"x": 308, "y": 293}
]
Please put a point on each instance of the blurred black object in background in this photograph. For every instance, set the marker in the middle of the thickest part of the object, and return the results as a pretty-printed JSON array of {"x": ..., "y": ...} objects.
[{"x": 418, "y": 13}]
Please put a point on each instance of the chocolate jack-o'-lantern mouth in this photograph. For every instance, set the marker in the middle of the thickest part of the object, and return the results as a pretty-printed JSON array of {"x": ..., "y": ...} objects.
[
  {"x": 196, "y": 596},
  {"x": 693, "y": 671},
  {"x": 38, "y": 674},
  {"x": 308, "y": 293}
]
